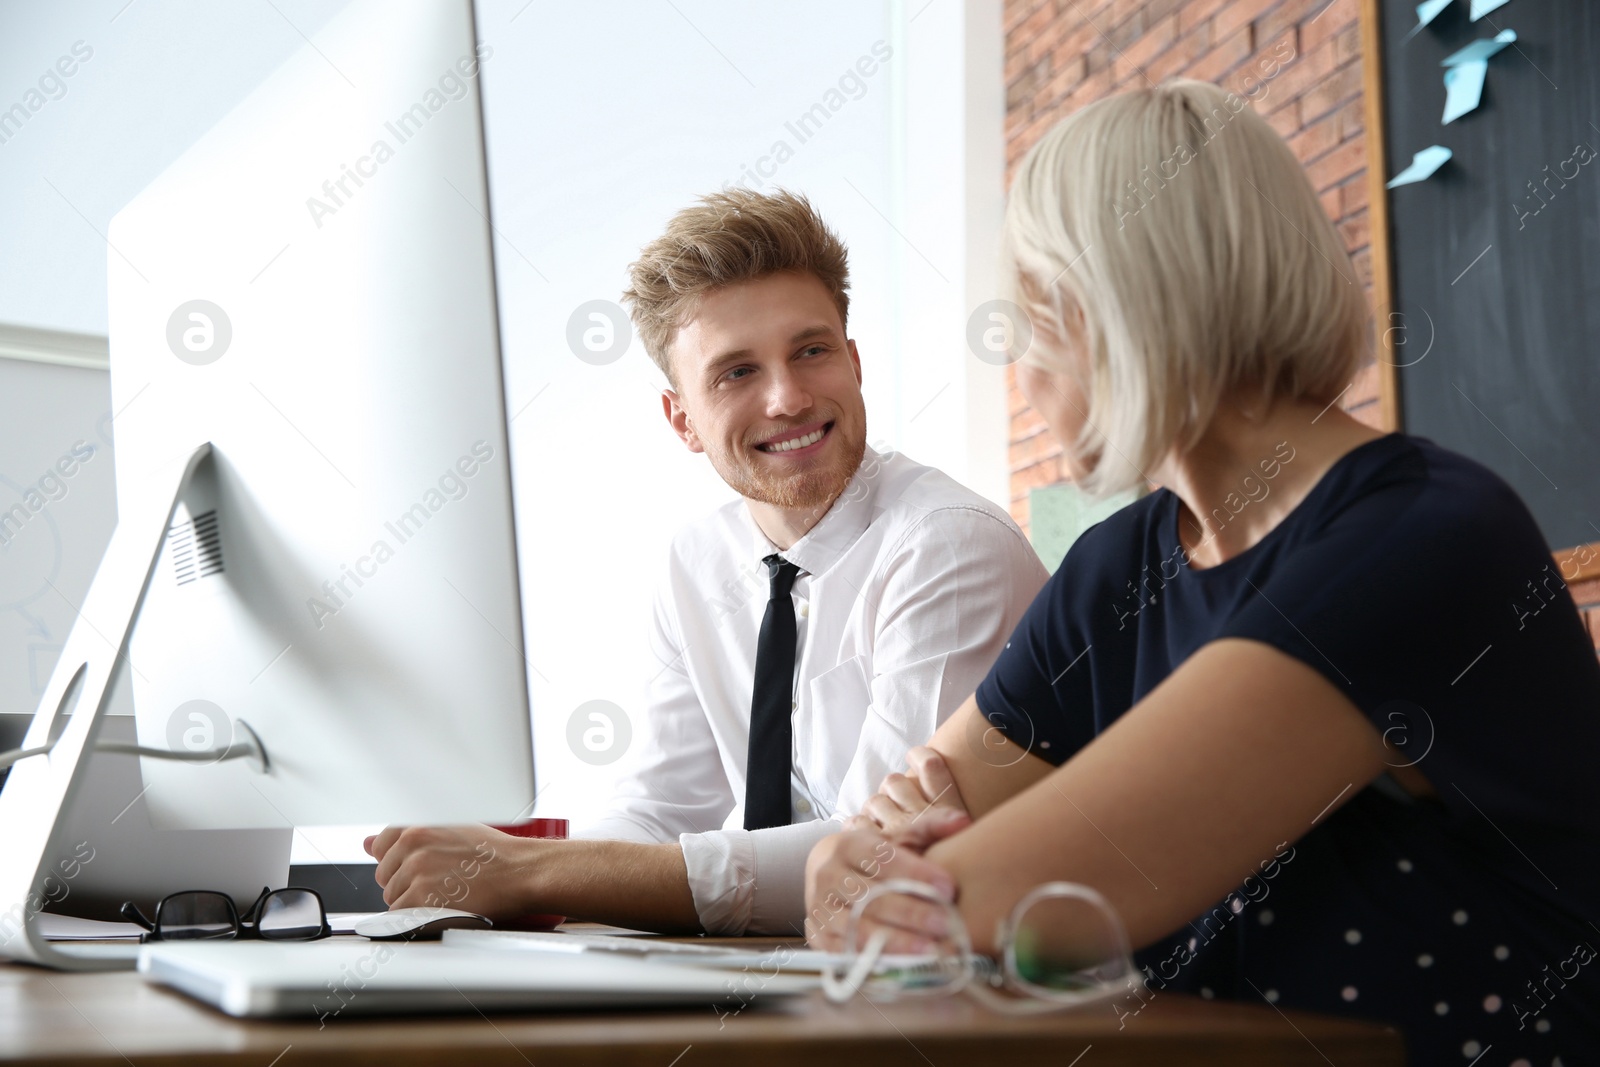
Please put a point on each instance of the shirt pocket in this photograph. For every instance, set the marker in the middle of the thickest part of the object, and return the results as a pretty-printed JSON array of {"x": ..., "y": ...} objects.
[{"x": 829, "y": 734}]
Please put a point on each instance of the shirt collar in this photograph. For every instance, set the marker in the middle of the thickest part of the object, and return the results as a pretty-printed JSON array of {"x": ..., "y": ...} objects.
[{"x": 842, "y": 525}]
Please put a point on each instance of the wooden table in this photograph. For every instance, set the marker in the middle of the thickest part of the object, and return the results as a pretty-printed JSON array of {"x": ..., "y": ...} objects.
[{"x": 119, "y": 1019}]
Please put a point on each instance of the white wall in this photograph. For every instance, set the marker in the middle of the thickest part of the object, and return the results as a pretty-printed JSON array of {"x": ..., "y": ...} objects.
[
  {"x": 160, "y": 74},
  {"x": 55, "y": 440},
  {"x": 600, "y": 126}
]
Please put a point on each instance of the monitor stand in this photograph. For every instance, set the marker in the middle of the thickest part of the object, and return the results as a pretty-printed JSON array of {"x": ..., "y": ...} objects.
[{"x": 41, "y": 787}]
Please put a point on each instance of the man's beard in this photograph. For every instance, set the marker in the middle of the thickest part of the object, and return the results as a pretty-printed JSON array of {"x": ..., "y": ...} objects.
[{"x": 816, "y": 488}]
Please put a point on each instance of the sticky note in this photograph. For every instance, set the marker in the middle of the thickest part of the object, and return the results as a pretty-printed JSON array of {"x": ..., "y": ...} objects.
[
  {"x": 1429, "y": 10},
  {"x": 1481, "y": 8},
  {"x": 1480, "y": 49},
  {"x": 1058, "y": 514},
  {"x": 1423, "y": 164},
  {"x": 1463, "y": 85}
]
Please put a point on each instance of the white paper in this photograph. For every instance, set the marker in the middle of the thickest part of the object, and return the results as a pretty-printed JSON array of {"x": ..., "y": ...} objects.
[
  {"x": 1423, "y": 164},
  {"x": 55, "y": 927},
  {"x": 344, "y": 922}
]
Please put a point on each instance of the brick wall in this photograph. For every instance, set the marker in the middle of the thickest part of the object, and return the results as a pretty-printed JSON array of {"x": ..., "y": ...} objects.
[{"x": 1063, "y": 54}]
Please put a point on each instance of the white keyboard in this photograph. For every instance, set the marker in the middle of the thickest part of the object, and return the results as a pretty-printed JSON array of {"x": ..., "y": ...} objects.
[
  {"x": 792, "y": 961},
  {"x": 551, "y": 941}
]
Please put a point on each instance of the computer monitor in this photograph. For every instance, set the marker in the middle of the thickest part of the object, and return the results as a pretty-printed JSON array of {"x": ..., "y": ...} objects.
[{"x": 315, "y": 530}]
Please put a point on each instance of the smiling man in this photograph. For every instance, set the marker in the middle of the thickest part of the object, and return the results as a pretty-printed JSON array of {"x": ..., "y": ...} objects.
[{"x": 807, "y": 634}]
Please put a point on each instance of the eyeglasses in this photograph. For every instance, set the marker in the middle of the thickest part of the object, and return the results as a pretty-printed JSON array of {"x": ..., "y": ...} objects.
[
  {"x": 1062, "y": 945},
  {"x": 204, "y": 915}
]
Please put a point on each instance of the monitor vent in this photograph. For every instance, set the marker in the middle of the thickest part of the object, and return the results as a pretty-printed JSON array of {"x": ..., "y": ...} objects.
[{"x": 196, "y": 548}]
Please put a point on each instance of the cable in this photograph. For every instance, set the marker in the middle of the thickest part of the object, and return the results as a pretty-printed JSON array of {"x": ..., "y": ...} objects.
[{"x": 251, "y": 748}]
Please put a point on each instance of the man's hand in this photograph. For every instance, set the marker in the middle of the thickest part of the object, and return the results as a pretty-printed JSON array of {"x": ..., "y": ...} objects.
[
  {"x": 477, "y": 868},
  {"x": 474, "y": 868},
  {"x": 843, "y": 867},
  {"x": 903, "y": 800}
]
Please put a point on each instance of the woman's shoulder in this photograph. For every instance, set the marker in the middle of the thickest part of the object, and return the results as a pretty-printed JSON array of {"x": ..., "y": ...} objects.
[
  {"x": 1412, "y": 489},
  {"x": 1453, "y": 475}
]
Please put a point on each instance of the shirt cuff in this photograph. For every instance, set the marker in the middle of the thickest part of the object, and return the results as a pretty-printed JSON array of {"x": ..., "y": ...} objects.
[{"x": 752, "y": 881}]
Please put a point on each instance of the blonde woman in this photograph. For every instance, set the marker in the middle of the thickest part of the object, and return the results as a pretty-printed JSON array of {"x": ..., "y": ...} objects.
[{"x": 1292, "y": 713}]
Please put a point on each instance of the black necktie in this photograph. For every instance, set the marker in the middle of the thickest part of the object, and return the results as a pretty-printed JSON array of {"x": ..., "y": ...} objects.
[{"x": 766, "y": 788}]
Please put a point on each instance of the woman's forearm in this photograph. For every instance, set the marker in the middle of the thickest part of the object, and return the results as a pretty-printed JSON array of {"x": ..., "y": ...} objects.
[{"x": 987, "y": 767}]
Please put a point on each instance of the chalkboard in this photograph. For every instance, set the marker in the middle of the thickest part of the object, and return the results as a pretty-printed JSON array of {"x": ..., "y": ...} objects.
[{"x": 1494, "y": 262}]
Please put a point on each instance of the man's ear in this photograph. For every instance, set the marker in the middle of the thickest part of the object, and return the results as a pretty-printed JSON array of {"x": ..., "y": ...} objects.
[
  {"x": 855, "y": 358},
  {"x": 678, "y": 419}
]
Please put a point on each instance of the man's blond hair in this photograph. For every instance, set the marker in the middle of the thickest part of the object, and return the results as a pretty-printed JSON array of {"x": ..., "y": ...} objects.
[
  {"x": 1184, "y": 229},
  {"x": 733, "y": 236}
]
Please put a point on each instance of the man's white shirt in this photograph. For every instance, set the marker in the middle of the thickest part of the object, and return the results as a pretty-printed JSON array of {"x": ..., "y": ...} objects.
[{"x": 909, "y": 587}]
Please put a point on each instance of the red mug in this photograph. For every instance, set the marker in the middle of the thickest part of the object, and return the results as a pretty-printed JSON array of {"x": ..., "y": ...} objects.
[{"x": 546, "y": 828}]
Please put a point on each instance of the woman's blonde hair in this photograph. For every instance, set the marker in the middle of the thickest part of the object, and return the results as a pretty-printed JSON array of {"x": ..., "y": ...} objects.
[{"x": 1183, "y": 228}]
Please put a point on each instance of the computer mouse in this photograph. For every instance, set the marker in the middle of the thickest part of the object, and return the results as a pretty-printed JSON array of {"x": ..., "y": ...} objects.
[{"x": 417, "y": 924}]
